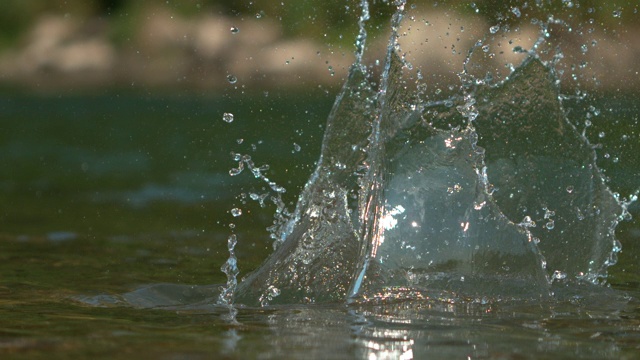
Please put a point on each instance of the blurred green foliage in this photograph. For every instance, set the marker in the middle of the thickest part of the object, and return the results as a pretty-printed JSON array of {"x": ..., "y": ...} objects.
[{"x": 316, "y": 18}]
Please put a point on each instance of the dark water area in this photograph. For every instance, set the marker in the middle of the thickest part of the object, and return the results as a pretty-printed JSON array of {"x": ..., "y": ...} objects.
[
  {"x": 87, "y": 164},
  {"x": 100, "y": 194}
]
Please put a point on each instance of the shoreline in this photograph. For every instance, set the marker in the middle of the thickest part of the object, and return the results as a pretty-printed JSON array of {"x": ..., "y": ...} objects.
[{"x": 62, "y": 53}]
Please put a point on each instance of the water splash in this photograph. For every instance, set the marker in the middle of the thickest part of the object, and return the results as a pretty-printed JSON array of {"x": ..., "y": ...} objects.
[
  {"x": 230, "y": 269},
  {"x": 320, "y": 241},
  {"x": 460, "y": 199}
]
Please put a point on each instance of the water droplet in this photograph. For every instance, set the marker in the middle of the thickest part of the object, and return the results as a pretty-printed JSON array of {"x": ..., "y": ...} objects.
[
  {"x": 617, "y": 13},
  {"x": 227, "y": 117},
  {"x": 617, "y": 245},
  {"x": 232, "y": 241},
  {"x": 296, "y": 147},
  {"x": 527, "y": 222},
  {"x": 479, "y": 206},
  {"x": 234, "y": 30},
  {"x": 277, "y": 188},
  {"x": 271, "y": 293},
  {"x": 559, "y": 275},
  {"x": 232, "y": 79},
  {"x": 570, "y": 189},
  {"x": 516, "y": 11},
  {"x": 550, "y": 225},
  {"x": 549, "y": 213},
  {"x": 236, "y": 212},
  {"x": 494, "y": 29}
]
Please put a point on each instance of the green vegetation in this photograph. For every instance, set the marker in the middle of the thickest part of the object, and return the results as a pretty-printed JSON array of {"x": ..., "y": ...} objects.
[{"x": 313, "y": 18}]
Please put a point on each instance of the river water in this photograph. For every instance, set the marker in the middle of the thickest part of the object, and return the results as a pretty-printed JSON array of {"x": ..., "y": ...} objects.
[{"x": 117, "y": 208}]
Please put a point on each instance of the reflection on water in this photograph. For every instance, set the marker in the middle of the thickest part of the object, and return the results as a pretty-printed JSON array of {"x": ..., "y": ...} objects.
[
  {"x": 592, "y": 322},
  {"x": 42, "y": 313},
  {"x": 422, "y": 330}
]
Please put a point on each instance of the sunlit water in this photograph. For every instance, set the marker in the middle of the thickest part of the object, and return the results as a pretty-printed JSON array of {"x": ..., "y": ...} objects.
[
  {"x": 472, "y": 224},
  {"x": 488, "y": 195}
]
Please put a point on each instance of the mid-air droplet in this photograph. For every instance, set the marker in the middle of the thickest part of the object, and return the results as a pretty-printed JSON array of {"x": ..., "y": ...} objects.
[{"x": 227, "y": 117}]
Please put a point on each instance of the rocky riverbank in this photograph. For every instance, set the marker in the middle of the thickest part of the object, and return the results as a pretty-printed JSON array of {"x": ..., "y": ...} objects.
[{"x": 210, "y": 52}]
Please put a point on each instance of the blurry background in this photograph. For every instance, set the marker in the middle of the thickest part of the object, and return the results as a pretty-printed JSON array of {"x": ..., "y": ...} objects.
[{"x": 78, "y": 44}]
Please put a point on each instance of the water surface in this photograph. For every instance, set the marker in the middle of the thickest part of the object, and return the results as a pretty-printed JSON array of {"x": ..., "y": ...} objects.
[{"x": 115, "y": 215}]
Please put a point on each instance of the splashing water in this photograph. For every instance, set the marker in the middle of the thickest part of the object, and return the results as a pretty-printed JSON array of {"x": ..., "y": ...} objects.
[
  {"x": 462, "y": 198},
  {"x": 467, "y": 202}
]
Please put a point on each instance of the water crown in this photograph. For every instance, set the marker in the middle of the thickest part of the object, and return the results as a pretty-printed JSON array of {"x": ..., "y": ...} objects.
[{"x": 485, "y": 193}]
